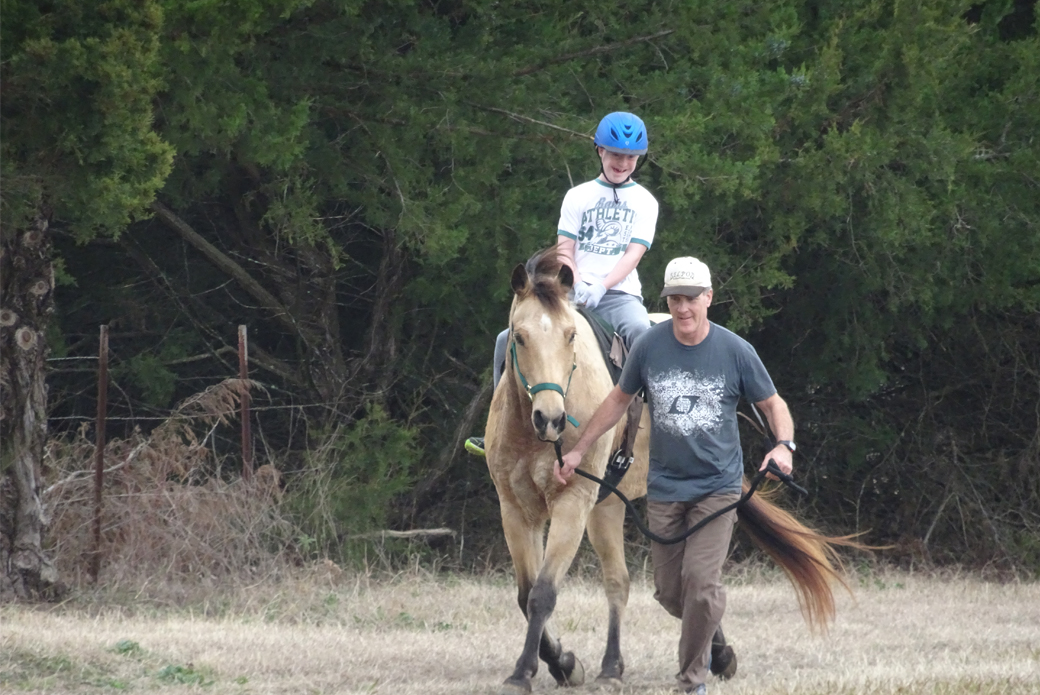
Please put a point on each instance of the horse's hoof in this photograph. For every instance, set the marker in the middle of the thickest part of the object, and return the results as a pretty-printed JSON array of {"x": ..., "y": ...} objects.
[
  {"x": 515, "y": 686},
  {"x": 609, "y": 683},
  {"x": 569, "y": 671},
  {"x": 724, "y": 663}
]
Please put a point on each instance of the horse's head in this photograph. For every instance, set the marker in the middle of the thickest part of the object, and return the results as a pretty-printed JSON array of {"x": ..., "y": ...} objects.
[{"x": 542, "y": 340}]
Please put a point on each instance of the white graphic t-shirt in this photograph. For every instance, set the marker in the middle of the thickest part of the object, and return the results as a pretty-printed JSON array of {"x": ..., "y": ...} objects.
[
  {"x": 693, "y": 392},
  {"x": 603, "y": 229}
]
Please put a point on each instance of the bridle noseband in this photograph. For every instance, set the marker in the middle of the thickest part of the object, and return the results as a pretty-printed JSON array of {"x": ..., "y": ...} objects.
[{"x": 546, "y": 385}]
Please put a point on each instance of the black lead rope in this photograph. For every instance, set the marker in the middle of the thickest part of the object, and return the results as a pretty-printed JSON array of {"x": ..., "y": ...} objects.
[{"x": 771, "y": 467}]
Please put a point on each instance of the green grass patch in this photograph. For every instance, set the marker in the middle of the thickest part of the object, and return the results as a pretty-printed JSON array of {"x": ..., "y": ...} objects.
[
  {"x": 22, "y": 670},
  {"x": 184, "y": 675}
]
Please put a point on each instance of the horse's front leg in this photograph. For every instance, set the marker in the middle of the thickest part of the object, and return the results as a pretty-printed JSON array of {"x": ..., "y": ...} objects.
[
  {"x": 606, "y": 533},
  {"x": 525, "y": 549},
  {"x": 565, "y": 532}
]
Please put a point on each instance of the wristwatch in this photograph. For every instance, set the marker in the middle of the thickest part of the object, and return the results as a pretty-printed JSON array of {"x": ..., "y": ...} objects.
[{"x": 789, "y": 444}]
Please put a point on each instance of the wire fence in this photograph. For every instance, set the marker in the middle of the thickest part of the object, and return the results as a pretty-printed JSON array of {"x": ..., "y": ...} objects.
[{"x": 101, "y": 420}]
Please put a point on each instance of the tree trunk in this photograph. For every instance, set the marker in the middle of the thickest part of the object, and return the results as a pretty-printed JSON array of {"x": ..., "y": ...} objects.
[
  {"x": 381, "y": 340},
  {"x": 26, "y": 304}
]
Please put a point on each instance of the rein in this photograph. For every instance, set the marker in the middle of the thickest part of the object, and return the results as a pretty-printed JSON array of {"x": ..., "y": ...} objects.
[
  {"x": 771, "y": 467},
  {"x": 546, "y": 385}
]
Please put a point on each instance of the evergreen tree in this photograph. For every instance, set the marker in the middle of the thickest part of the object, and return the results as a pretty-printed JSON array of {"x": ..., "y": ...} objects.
[{"x": 79, "y": 158}]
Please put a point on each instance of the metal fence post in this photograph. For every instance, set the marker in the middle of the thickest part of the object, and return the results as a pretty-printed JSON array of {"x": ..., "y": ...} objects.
[
  {"x": 243, "y": 374},
  {"x": 99, "y": 450}
]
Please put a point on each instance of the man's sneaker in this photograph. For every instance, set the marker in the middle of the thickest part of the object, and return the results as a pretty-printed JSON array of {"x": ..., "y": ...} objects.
[
  {"x": 475, "y": 446},
  {"x": 723, "y": 663}
]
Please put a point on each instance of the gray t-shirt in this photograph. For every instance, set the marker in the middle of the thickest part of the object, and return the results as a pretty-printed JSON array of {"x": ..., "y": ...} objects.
[{"x": 693, "y": 393}]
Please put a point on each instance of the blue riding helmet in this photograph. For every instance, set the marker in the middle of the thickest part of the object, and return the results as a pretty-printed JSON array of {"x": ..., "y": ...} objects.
[{"x": 623, "y": 133}]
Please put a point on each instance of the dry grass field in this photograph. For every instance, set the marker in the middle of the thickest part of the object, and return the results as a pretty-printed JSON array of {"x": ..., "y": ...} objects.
[{"x": 415, "y": 633}]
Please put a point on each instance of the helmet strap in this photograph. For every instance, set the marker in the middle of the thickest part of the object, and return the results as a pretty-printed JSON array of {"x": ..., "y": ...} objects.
[
  {"x": 639, "y": 165},
  {"x": 613, "y": 186}
]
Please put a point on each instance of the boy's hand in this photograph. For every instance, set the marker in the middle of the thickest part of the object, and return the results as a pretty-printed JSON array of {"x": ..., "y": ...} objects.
[
  {"x": 581, "y": 293},
  {"x": 589, "y": 294}
]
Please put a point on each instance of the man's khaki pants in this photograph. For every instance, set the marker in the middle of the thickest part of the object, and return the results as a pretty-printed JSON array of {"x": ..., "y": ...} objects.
[{"x": 688, "y": 576}]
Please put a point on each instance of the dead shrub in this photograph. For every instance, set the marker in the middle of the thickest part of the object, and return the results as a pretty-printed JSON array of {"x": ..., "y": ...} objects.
[{"x": 166, "y": 513}]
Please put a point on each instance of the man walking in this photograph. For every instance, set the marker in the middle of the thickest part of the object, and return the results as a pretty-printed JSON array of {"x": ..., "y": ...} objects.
[{"x": 694, "y": 373}]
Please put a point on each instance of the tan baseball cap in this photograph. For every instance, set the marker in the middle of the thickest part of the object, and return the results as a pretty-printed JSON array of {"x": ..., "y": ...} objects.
[{"x": 687, "y": 276}]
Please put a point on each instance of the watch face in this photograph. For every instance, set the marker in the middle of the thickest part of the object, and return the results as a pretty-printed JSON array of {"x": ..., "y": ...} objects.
[{"x": 789, "y": 444}]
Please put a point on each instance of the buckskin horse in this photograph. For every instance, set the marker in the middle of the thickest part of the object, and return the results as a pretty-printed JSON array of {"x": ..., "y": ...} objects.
[{"x": 556, "y": 375}]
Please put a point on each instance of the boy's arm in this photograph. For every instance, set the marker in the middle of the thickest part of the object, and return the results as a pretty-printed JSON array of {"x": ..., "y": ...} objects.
[
  {"x": 565, "y": 250},
  {"x": 625, "y": 265}
]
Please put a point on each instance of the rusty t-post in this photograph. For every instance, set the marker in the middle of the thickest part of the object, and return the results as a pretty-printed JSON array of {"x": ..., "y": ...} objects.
[
  {"x": 99, "y": 451},
  {"x": 243, "y": 374}
]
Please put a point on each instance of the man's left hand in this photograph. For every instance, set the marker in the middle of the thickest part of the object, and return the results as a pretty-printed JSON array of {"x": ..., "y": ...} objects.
[{"x": 783, "y": 458}]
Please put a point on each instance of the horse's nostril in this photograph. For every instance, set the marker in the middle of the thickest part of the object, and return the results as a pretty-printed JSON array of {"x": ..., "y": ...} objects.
[
  {"x": 540, "y": 421},
  {"x": 560, "y": 422}
]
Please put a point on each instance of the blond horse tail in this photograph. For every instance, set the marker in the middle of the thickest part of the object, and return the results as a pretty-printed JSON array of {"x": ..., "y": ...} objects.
[{"x": 808, "y": 557}]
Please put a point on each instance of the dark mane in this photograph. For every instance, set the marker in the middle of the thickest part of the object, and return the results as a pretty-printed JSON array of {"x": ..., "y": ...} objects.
[{"x": 544, "y": 271}]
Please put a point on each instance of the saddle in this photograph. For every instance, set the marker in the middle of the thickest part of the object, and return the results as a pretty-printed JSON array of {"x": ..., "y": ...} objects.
[{"x": 610, "y": 343}]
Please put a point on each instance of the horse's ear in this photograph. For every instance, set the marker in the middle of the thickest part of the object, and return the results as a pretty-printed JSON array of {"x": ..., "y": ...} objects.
[
  {"x": 566, "y": 276},
  {"x": 520, "y": 280}
]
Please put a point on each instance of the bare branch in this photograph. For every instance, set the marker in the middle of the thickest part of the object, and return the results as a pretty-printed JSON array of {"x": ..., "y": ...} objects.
[
  {"x": 414, "y": 533},
  {"x": 598, "y": 50},
  {"x": 228, "y": 265},
  {"x": 424, "y": 490},
  {"x": 78, "y": 475},
  {"x": 204, "y": 356},
  {"x": 257, "y": 355},
  {"x": 528, "y": 119}
]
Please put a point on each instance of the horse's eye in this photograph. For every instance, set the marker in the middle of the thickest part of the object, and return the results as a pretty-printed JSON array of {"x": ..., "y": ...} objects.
[
  {"x": 573, "y": 336},
  {"x": 520, "y": 340}
]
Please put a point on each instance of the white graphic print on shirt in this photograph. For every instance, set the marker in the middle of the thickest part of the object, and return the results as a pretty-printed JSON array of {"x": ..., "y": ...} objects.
[
  {"x": 606, "y": 228},
  {"x": 686, "y": 403}
]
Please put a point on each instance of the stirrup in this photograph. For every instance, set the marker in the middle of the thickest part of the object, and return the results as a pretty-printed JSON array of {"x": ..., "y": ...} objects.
[{"x": 616, "y": 470}]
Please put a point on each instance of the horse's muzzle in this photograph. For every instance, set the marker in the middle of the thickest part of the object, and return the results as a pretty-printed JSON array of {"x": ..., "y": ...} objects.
[{"x": 548, "y": 428}]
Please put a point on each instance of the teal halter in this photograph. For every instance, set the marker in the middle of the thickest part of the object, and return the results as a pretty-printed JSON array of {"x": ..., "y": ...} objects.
[{"x": 545, "y": 386}]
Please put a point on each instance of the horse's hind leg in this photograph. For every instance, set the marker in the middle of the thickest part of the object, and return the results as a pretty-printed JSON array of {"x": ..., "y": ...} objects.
[
  {"x": 723, "y": 658},
  {"x": 606, "y": 533}
]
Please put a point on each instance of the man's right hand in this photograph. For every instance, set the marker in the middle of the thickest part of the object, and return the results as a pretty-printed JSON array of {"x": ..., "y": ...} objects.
[{"x": 571, "y": 460}]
